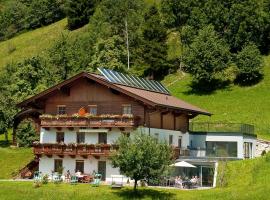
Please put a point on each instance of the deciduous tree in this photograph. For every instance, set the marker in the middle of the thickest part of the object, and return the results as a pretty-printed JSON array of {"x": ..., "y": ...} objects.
[
  {"x": 141, "y": 156},
  {"x": 249, "y": 64},
  {"x": 207, "y": 56}
]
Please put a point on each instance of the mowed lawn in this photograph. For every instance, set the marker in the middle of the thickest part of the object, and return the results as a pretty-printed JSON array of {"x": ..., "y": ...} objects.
[
  {"x": 248, "y": 179},
  {"x": 233, "y": 104}
]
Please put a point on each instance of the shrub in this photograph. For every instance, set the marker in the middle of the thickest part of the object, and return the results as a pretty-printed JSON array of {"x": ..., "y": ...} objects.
[
  {"x": 26, "y": 134},
  {"x": 45, "y": 179},
  {"x": 249, "y": 64}
]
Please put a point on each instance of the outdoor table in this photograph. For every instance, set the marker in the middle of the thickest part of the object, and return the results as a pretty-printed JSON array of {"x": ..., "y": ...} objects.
[{"x": 187, "y": 183}]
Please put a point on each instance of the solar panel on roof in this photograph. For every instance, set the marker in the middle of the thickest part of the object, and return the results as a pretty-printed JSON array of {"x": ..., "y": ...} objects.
[{"x": 133, "y": 81}]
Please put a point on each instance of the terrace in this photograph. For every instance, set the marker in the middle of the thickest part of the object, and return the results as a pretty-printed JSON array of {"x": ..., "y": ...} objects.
[{"x": 221, "y": 127}]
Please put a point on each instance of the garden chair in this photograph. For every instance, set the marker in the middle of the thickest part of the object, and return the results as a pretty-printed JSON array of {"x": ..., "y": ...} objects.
[
  {"x": 37, "y": 176},
  {"x": 97, "y": 180},
  {"x": 57, "y": 178},
  {"x": 74, "y": 180}
]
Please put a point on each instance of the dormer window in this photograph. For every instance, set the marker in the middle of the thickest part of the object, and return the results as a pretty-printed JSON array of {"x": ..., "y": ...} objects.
[
  {"x": 61, "y": 109},
  {"x": 126, "y": 109},
  {"x": 93, "y": 109}
]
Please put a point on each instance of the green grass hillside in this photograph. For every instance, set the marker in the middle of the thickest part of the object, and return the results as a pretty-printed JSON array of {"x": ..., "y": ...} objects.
[
  {"x": 12, "y": 160},
  {"x": 31, "y": 43},
  {"x": 233, "y": 104},
  {"x": 248, "y": 179}
]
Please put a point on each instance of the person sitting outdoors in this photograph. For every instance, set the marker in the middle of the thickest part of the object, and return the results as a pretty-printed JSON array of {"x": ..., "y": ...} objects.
[
  {"x": 178, "y": 181},
  {"x": 192, "y": 180},
  {"x": 68, "y": 176},
  {"x": 78, "y": 173}
]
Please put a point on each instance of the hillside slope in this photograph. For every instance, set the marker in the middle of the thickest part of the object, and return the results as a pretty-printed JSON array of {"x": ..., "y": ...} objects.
[
  {"x": 233, "y": 104},
  {"x": 31, "y": 43},
  {"x": 12, "y": 160}
]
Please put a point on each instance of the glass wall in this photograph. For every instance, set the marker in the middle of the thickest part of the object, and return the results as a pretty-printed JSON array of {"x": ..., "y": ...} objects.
[{"x": 221, "y": 149}]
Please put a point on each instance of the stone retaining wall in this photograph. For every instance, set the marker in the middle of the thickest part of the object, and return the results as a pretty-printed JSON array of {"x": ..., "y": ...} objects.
[{"x": 260, "y": 146}]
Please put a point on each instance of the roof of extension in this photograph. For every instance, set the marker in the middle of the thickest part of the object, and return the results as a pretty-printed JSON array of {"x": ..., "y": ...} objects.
[{"x": 146, "y": 96}]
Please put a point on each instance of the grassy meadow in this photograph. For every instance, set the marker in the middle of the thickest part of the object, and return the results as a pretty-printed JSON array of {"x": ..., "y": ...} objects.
[
  {"x": 12, "y": 160},
  {"x": 247, "y": 179},
  {"x": 231, "y": 104},
  {"x": 31, "y": 43}
]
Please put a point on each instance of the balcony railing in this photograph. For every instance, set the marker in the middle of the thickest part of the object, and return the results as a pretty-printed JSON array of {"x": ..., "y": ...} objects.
[
  {"x": 74, "y": 149},
  {"x": 94, "y": 121},
  {"x": 222, "y": 127},
  {"x": 84, "y": 150}
]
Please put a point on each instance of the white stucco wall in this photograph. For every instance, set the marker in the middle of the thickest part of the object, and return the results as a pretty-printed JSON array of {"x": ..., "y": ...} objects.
[
  {"x": 46, "y": 165},
  {"x": 49, "y": 136},
  {"x": 164, "y": 135}
]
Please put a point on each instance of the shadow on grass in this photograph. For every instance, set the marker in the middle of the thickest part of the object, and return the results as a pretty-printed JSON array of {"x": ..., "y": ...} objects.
[
  {"x": 144, "y": 193},
  {"x": 207, "y": 88},
  {"x": 4, "y": 144}
]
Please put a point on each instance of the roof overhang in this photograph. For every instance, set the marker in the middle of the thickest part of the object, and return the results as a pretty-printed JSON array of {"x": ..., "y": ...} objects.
[{"x": 99, "y": 79}]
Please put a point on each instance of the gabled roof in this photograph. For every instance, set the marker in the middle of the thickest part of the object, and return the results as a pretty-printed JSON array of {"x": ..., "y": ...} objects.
[{"x": 148, "y": 97}]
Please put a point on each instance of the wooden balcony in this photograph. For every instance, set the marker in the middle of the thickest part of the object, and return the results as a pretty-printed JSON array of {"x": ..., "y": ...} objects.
[
  {"x": 93, "y": 122},
  {"x": 73, "y": 150}
]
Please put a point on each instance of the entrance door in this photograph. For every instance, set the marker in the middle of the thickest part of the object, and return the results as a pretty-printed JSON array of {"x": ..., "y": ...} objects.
[{"x": 102, "y": 169}]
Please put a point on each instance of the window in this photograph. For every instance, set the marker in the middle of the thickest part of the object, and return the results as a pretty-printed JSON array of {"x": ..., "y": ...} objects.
[
  {"x": 170, "y": 139},
  {"x": 180, "y": 142},
  {"x": 102, "y": 138},
  {"x": 58, "y": 164},
  {"x": 61, "y": 109},
  {"x": 80, "y": 138},
  {"x": 126, "y": 109},
  {"x": 60, "y": 137},
  {"x": 79, "y": 166},
  {"x": 221, "y": 149},
  {"x": 93, "y": 109},
  {"x": 247, "y": 150}
]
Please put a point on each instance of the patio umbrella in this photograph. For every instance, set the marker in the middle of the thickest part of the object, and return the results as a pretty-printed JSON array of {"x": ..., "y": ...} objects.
[{"x": 183, "y": 164}]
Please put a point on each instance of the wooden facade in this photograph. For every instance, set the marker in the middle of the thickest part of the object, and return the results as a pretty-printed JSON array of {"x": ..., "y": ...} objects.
[{"x": 84, "y": 93}]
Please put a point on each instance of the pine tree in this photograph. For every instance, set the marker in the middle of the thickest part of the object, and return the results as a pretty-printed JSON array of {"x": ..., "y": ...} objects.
[
  {"x": 78, "y": 12},
  {"x": 155, "y": 49}
]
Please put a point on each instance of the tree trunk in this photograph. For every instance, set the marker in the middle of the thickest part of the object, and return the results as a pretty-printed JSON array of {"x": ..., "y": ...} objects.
[
  {"x": 135, "y": 185},
  {"x": 6, "y": 136}
]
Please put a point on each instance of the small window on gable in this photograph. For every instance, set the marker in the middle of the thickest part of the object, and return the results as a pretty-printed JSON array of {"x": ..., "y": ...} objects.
[
  {"x": 126, "y": 109},
  {"x": 93, "y": 109},
  {"x": 61, "y": 109}
]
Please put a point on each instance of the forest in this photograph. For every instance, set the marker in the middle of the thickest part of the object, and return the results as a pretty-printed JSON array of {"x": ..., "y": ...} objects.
[{"x": 220, "y": 42}]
